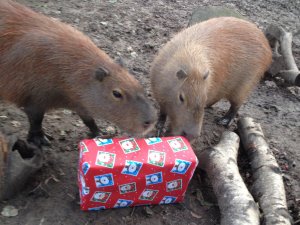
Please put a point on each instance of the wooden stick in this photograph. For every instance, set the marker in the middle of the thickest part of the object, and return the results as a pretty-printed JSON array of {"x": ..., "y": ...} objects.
[
  {"x": 220, "y": 163},
  {"x": 277, "y": 34},
  {"x": 268, "y": 187}
]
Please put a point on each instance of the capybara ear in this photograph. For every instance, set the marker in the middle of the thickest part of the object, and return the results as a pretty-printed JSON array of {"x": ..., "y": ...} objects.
[
  {"x": 206, "y": 74},
  {"x": 120, "y": 61},
  {"x": 181, "y": 74},
  {"x": 101, "y": 73}
]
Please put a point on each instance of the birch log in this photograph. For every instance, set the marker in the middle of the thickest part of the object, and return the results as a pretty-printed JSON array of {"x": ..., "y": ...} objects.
[
  {"x": 268, "y": 188},
  {"x": 220, "y": 163}
]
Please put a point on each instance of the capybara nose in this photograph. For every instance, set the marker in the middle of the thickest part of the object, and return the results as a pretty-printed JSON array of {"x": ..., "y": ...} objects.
[
  {"x": 147, "y": 124},
  {"x": 190, "y": 136}
]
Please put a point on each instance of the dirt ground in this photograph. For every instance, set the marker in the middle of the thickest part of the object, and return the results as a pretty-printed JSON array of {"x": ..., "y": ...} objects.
[{"x": 136, "y": 30}]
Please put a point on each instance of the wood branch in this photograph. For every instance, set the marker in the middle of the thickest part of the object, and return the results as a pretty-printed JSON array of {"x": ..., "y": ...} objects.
[
  {"x": 278, "y": 37},
  {"x": 268, "y": 188},
  {"x": 18, "y": 161},
  {"x": 220, "y": 163}
]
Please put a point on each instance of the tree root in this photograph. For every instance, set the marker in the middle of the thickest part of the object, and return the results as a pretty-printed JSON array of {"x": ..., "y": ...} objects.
[
  {"x": 268, "y": 188},
  {"x": 220, "y": 163}
]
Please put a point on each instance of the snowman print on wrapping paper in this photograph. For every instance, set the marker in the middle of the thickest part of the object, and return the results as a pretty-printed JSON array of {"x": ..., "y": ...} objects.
[
  {"x": 153, "y": 140},
  {"x": 168, "y": 200},
  {"x": 104, "y": 180},
  {"x": 129, "y": 145},
  {"x": 100, "y": 196},
  {"x": 127, "y": 188},
  {"x": 105, "y": 159},
  {"x": 148, "y": 194},
  {"x": 177, "y": 145},
  {"x": 101, "y": 142},
  {"x": 84, "y": 189},
  {"x": 132, "y": 168},
  {"x": 181, "y": 166},
  {"x": 174, "y": 185},
  {"x": 123, "y": 203},
  {"x": 156, "y": 158},
  {"x": 154, "y": 178}
]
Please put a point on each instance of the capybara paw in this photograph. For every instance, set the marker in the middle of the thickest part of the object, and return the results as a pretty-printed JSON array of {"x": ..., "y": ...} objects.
[
  {"x": 224, "y": 121},
  {"x": 160, "y": 131},
  {"x": 38, "y": 139}
]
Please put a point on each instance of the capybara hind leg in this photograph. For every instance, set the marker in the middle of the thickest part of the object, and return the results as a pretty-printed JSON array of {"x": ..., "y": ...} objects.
[
  {"x": 90, "y": 123},
  {"x": 161, "y": 122},
  {"x": 228, "y": 118},
  {"x": 36, "y": 134}
]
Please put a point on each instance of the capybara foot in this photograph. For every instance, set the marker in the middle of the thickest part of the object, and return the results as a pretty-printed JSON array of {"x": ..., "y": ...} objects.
[
  {"x": 38, "y": 138},
  {"x": 225, "y": 121}
]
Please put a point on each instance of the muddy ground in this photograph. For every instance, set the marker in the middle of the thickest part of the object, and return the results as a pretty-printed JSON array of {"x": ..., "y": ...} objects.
[{"x": 136, "y": 30}]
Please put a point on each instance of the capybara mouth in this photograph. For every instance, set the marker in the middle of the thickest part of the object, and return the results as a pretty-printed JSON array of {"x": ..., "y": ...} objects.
[{"x": 140, "y": 132}]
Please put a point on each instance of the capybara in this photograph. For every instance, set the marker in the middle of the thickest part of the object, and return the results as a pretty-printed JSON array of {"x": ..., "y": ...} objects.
[
  {"x": 46, "y": 64},
  {"x": 219, "y": 58}
]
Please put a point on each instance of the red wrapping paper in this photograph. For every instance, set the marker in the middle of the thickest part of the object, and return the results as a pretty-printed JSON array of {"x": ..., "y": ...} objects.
[{"x": 126, "y": 172}]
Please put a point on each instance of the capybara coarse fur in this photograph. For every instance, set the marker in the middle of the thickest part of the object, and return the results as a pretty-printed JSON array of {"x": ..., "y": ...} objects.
[
  {"x": 219, "y": 58},
  {"x": 46, "y": 64}
]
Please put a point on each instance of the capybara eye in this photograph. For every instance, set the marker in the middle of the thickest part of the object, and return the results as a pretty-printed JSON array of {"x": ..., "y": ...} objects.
[
  {"x": 117, "y": 94},
  {"x": 181, "y": 98}
]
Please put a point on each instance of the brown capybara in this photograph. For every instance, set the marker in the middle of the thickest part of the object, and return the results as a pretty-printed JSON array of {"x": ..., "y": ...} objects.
[
  {"x": 220, "y": 58},
  {"x": 47, "y": 64}
]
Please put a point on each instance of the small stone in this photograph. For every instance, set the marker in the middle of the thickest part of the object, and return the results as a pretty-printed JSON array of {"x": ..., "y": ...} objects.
[
  {"x": 79, "y": 123},
  {"x": 134, "y": 54},
  {"x": 67, "y": 112},
  {"x": 77, "y": 20},
  {"x": 15, "y": 123},
  {"x": 270, "y": 84},
  {"x": 111, "y": 130},
  {"x": 148, "y": 211},
  {"x": 62, "y": 133},
  {"x": 9, "y": 211},
  {"x": 129, "y": 49},
  {"x": 294, "y": 90},
  {"x": 195, "y": 215},
  {"x": 104, "y": 23}
]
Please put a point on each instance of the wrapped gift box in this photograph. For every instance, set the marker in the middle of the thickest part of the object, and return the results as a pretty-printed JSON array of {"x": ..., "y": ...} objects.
[{"x": 125, "y": 172}]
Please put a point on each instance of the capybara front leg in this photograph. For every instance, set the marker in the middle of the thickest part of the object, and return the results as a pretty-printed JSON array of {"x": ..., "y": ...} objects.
[
  {"x": 161, "y": 123},
  {"x": 36, "y": 134},
  {"x": 228, "y": 118},
  {"x": 91, "y": 124}
]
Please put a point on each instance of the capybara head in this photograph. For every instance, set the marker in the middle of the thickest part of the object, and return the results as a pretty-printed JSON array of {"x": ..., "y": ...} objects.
[
  {"x": 111, "y": 93},
  {"x": 186, "y": 102}
]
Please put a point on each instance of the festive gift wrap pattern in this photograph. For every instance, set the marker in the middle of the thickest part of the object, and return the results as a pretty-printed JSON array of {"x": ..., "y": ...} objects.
[{"x": 124, "y": 172}]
